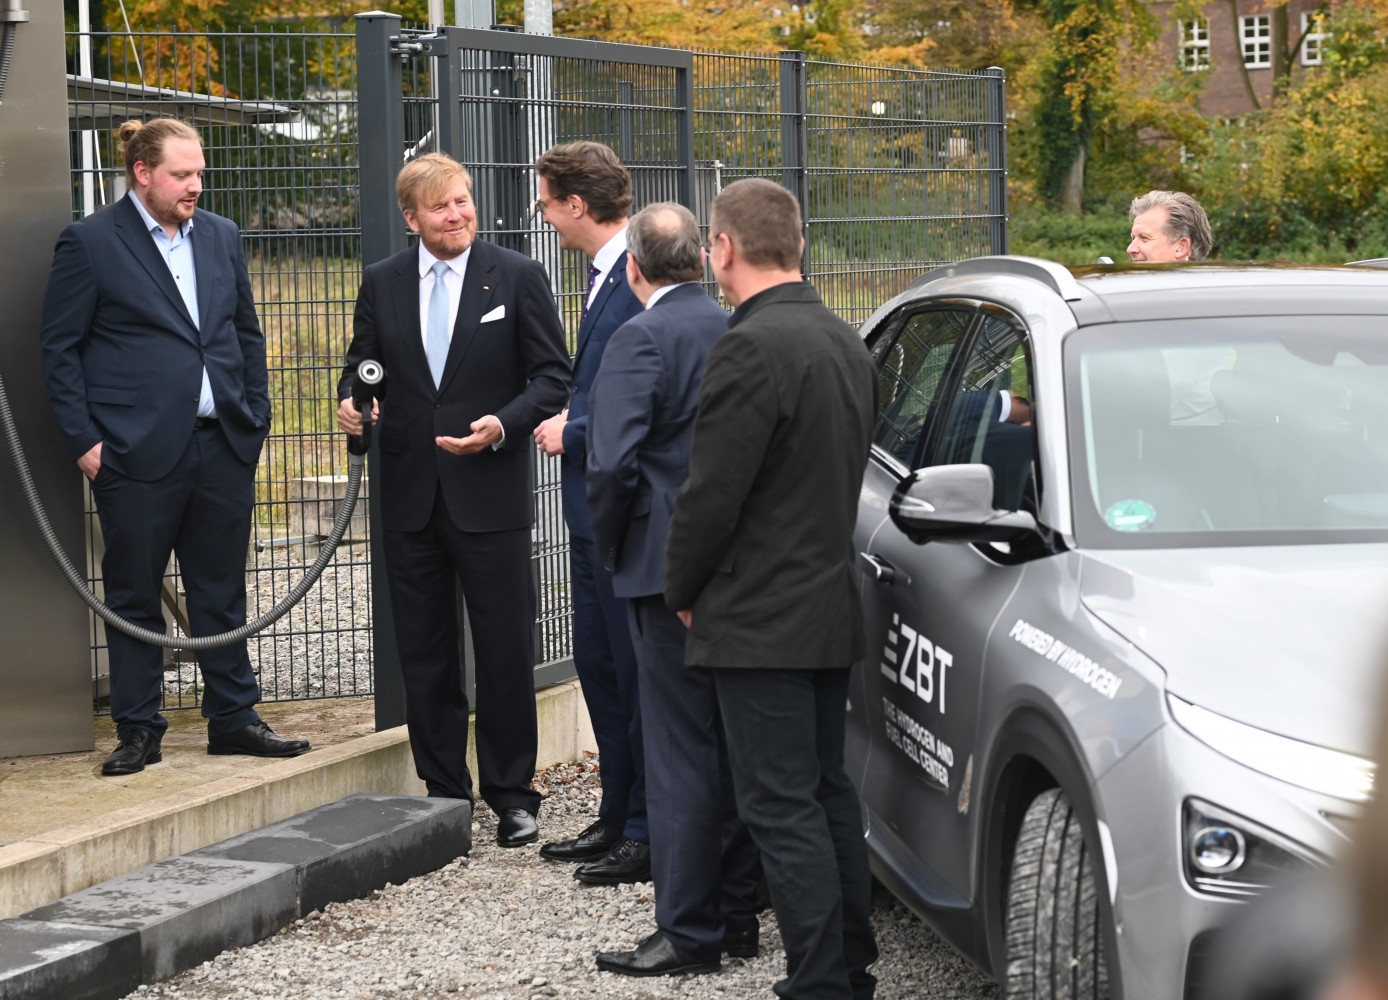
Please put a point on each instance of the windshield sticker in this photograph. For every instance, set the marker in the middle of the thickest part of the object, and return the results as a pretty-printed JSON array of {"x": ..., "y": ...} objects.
[
  {"x": 1066, "y": 657},
  {"x": 914, "y": 663},
  {"x": 1130, "y": 515}
]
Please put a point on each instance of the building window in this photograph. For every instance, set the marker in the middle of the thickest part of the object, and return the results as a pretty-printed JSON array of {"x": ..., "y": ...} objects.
[
  {"x": 1195, "y": 45},
  {"x": 1255, "y": 39},
  {"x": 1314, "y": 35}
]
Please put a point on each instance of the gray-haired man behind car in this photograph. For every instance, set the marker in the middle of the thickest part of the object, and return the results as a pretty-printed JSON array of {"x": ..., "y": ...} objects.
[{"x": 1168, "y": 227}]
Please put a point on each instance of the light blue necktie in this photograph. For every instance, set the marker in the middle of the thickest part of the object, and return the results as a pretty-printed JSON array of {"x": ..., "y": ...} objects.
[{"x": 436, "y": 333}]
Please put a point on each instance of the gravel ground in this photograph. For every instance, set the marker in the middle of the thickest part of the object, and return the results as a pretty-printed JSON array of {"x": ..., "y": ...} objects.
[{"x": 507, "y": 925}]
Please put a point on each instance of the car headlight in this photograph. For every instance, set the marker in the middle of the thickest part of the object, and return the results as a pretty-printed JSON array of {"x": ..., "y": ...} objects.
[
  {"x": 1230, "y": 856},
  {"x": 1305, "y": 765}
]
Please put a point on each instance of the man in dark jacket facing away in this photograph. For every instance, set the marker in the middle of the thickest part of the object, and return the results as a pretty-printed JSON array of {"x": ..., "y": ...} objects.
[
  {"x": 640, "y": 425},
  {"x": 759, "y": 565}
]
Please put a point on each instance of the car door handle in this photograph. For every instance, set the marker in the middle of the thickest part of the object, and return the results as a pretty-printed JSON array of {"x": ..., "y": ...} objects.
[{"x": 881, "y": 570}]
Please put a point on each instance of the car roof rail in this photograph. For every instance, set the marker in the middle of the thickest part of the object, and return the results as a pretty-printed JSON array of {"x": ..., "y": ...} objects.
[{"x": 1055, "y": 276}]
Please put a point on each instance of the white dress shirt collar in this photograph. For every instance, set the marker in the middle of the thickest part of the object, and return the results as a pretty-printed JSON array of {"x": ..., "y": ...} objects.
[
  {"x": 660, "y": 292},
  {"x": 607, "y": 256},
  {"x": 150, "y": 224},
  {"x": 427, "y": 261}
]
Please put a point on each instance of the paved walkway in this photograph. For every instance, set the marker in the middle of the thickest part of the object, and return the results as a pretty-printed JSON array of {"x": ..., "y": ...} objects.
[{"x": 42, "y": 794}]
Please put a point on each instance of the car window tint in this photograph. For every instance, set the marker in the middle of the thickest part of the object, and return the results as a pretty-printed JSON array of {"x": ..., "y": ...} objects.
[
  {"x": 910, "y": 365},
  {"x": 988, "y": 420}
]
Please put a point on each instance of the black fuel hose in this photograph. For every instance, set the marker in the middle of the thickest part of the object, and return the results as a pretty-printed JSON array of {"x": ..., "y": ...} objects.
[
  {"x": 6, "y": 54},
  {"x": 356, "y": 464}
]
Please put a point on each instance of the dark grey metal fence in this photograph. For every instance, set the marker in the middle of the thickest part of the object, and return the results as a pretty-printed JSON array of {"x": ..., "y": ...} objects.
[{"x": 897, "y": 170}]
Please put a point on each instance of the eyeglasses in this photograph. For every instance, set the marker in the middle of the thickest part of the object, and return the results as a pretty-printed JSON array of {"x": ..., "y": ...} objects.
[
  {"x": 537, "y": 209},
  {"x": 712, "y": 241}
]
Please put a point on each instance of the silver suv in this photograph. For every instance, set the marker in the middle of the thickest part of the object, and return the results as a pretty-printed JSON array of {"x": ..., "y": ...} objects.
[{"x": 1124, "y": 541}]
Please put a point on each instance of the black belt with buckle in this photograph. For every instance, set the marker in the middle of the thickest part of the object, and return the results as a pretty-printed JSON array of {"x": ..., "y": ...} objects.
[{"x": 203, "y": 423}]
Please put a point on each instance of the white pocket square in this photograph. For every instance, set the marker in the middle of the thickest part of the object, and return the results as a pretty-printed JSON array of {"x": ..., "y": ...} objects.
[{"x": 498, "y": 313}]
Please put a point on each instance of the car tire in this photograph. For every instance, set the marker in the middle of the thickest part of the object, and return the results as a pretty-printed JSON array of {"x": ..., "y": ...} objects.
[{"x": 1055, "y": 937}]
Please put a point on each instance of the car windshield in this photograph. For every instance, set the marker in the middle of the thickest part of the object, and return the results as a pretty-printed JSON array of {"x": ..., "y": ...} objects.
[{"x": 1231, "y": 431}]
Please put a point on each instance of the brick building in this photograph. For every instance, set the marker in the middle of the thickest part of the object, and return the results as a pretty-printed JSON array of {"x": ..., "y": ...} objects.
[{"x": 1235, "y": 32}]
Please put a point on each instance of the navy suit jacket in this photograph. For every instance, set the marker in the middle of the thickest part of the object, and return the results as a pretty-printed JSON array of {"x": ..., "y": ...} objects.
[
  {"x": 640, "y": 427},
  {"x": 122, "y": 357},
  {"x": 513, "y": 366},
  {"x": 614, "y": 305}
]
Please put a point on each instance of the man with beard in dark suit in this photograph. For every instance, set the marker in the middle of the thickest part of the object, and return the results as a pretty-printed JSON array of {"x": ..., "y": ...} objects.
[
  {"x": 474, "y": 358},
  {"x": 640, "y": 425},
  {"x": 759, "y": 566},
  {"x": 156, "y": 370}
]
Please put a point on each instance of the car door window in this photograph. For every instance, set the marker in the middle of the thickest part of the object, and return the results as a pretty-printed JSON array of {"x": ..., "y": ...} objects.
[
  {"x": 988, "y": 417},
  {"x": 911, "y": 362}
]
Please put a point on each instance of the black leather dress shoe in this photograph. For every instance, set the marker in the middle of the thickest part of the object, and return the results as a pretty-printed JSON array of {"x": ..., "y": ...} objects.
[
  {"x": 628, "y": 861},
  {"x": 136, "y": 748},
  {"x": 255, "y": 740},
  {"x": 515, "y": 828},
  {"x": 655, "y": 956},
  {"x": 742, "y": 943},
  {"x": 589, "y": 845}
]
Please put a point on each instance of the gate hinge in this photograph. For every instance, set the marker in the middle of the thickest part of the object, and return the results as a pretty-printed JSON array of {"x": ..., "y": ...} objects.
[{"x": 419, "y": 46}]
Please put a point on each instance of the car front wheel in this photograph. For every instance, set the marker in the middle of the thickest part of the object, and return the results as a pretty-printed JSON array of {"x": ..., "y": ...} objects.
[{"x": 1055, "y": 939}]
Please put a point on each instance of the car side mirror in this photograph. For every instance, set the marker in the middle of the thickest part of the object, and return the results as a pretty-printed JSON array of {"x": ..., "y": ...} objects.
[{"x": 954, "y": 503}]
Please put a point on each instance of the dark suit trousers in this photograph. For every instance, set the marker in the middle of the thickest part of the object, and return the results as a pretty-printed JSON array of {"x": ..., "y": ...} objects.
[
  {"x": 200, "y": 511},
  {"x": 785, "y": 731},
  {"x": 493, "y": 568},
  {"x": 606, "y": 667},
  {"x": 703, "y": 862}
]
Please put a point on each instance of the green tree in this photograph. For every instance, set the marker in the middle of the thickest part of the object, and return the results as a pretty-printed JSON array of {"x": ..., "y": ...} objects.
[
  {"x": 960, "y": 34},
  {"x": 831, "y": 30},
  {"x": 681, "y": 24},
  {"x": 1080, "y": 73},
  {"x": 1308, "y": 175}
]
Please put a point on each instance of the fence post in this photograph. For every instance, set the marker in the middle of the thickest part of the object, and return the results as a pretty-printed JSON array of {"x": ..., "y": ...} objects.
[
  {"x": 997, "y": 161},
  {"x": 381, "y": 117},
  {"x": 684, "y": 100},
  {"x": 794, "y": 139},
  {"x": 626, "y": 97}
]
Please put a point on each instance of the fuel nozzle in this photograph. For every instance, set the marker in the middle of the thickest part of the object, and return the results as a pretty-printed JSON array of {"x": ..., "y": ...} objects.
[{"x": 370, "y": 374}]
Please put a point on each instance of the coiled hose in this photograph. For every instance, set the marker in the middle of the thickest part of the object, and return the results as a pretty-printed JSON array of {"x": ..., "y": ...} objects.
[
  {"x": 6, "y": 54},
  {"x": 356, "y": 464}
]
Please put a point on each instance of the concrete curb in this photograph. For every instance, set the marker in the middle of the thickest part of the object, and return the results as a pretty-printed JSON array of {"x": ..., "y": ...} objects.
[
  {"x": 47, "y": 867},
  {"x": 155, "y": 922}
]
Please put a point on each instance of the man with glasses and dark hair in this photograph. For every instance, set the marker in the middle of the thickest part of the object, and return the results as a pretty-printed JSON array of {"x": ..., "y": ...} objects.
[
  {"x": 585, "y": 194},
  {"x": 640, "y": 426}
]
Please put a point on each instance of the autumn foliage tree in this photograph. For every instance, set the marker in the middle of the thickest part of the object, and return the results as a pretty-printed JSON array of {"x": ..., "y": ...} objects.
[{"x": 1310, "y": 173}]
